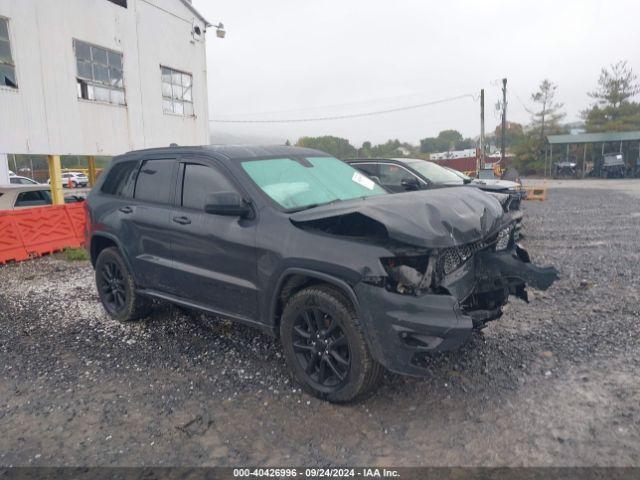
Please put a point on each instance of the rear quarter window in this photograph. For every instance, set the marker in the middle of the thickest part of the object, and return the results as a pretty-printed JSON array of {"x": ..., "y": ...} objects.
[
  {"x": 121, "y": 179},
  {"x": 33, "y": 198}
]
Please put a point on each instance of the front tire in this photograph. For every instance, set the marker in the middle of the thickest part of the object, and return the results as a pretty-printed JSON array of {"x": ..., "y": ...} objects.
[
  {"x": 325, "y": 347},
  {"x": 117, "y": 289}
]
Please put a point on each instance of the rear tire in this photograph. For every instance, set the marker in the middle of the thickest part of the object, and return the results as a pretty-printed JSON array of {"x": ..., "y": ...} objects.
[
  {"x": 325, "y": 347},
  {"x": 117, "y": 289}
]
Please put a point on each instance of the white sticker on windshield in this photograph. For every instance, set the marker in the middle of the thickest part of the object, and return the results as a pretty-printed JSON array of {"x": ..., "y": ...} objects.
[{"x": 362, "y": 180}]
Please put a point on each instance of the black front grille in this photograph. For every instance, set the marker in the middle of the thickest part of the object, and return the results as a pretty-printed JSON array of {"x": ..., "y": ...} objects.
[{"x": 453, "y": 257}]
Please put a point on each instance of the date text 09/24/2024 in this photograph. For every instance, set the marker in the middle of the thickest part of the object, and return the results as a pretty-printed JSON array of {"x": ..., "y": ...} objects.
[{"x": 316, "y": 472}]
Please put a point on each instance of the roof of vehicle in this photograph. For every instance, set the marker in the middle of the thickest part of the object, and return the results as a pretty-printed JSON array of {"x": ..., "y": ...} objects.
[
  {"x": 10, "y": 192},
  {"x": 385, "y": 159},
  {"x": 233, "y": 152},
  {"x": 403, "y": 160},
  {"x": 595, "y": 137},
  {"x": 16, "y": 187}
]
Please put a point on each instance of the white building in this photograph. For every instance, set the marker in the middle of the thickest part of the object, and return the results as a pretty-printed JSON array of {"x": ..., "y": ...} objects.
[
  {"x": 467, "y": 153},
  {"x": 100, "y": 77}
]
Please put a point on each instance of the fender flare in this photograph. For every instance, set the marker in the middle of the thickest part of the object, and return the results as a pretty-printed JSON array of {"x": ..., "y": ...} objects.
[
  {"x": 337, "y": 282},
  {"x": 115, "y": 240}
]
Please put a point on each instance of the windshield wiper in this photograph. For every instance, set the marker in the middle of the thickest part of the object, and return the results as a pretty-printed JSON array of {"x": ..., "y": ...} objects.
[{"x": 314, "y": 205}]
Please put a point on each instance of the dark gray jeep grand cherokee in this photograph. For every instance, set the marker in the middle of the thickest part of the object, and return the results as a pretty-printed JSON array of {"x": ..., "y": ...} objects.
[{"x": 351, "y": 278}]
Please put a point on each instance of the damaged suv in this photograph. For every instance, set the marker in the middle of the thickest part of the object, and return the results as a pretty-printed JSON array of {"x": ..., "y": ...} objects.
[{"x": 351, "y": 278}]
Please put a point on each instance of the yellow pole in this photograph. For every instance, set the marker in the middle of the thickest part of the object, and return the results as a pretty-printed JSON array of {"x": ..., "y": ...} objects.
[
  {"x": 92, "y": 170},
  {"x": 55, "y": 175}
]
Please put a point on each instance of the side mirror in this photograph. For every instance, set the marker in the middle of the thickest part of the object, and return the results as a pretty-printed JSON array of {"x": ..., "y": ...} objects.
[
  {"x": 227, "y": 203},
  {"x": 466, "y": 180},
  {"x": 410, "y": 183}
]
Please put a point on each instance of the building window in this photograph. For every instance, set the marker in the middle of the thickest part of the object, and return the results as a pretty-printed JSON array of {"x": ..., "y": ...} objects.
[
  {"x": 100, "y": 75},
  {"x": 122, "y": 3},
  {"x": 7, "y": 67},
  {"x": 177, "y": 92}
]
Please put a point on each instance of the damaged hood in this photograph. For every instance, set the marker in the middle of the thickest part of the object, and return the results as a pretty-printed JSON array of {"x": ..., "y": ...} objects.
[
  {"x": 438, "y": 218},
  {"x": 495, "y": 184}
]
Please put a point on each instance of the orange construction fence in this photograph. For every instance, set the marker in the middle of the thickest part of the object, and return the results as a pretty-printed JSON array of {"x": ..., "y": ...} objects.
[{"x": 31, "y": 232}]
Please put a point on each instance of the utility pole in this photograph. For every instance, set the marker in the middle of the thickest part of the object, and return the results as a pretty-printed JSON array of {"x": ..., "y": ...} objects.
[
  {"x": 480, "y": 163},
  {"x": 504, "y": 120}
]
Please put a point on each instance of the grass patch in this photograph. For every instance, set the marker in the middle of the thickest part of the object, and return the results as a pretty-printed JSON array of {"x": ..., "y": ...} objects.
[{"x": 76, "y": 254}]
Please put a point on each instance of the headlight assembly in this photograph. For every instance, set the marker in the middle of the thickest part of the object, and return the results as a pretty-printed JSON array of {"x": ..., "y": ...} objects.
[{"x": 504, "y": 238}]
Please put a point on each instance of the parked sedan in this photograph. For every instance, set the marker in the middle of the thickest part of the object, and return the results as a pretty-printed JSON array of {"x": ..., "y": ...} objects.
[
  {"x": 73, "y": 179},
  {"x": 13, "y": 197},
  {"x": 18, "y": 180}
]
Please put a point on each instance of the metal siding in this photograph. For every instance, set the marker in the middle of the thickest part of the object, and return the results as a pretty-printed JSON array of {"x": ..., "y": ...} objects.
[
  {"x": 45, "y": 116},
  {"x": 172, "y": 47}
]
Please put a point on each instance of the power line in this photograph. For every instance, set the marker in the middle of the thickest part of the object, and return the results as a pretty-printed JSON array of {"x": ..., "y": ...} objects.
[
  {"x": 370, "y": 103},
  {"x": 351, "y": 115},
  {"x": 167, "y": 11}
]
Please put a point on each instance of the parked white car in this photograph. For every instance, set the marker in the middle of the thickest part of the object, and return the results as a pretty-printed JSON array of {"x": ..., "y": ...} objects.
[
  {"x": 18, "y": 180},
  {"x": 13, "y": 197},
  {"x": 77, "y": 179}
]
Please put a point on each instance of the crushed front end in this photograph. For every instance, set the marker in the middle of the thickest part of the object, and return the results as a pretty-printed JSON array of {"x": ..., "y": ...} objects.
[{"x": 433, "y": 299}]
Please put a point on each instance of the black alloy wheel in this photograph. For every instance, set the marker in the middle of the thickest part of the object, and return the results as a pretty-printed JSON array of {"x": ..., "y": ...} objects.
[
  {"x": 325, "y": 346},
  {"x": 112, "y": 288},
  {"x": 117, "y": 288},
  {"x": 321, "y": 348}
]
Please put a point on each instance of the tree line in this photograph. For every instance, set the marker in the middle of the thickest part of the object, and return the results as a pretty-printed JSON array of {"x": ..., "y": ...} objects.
[{"x": 612, "y": 109}]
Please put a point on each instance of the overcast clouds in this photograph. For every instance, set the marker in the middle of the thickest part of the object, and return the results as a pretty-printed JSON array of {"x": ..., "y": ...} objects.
[{"x": 309, "y": 58}]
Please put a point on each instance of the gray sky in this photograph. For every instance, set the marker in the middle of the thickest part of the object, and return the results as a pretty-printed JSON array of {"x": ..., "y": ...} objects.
[{"x": 312, "y": 58}]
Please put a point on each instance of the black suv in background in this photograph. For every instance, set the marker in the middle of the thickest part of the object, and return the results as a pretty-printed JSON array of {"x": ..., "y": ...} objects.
[{"x": 299, "y": 244}]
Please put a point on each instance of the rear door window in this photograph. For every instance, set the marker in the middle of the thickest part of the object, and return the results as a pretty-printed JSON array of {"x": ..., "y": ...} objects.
[
  {"x": 155, "y": 180},
  {"x": 121, "y": 179},
  {"x": 33, "y": 198},
  {"x": 199, "y": 181}
]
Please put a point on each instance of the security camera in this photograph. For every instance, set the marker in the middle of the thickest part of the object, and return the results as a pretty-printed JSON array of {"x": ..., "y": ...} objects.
[{"x": 220, "y": 31}]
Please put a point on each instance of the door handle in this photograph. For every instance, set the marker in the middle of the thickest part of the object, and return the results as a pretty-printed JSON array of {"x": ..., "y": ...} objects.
[
  {"x": 126, "y": 209},
  {"x": 182, "y": 220}
]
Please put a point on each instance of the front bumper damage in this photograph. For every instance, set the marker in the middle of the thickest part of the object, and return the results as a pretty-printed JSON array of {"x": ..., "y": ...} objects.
[{"x": 403, "y": 328}]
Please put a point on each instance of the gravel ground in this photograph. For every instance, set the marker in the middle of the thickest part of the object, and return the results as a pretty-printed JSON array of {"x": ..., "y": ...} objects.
[{"x": 554, "y": 382}]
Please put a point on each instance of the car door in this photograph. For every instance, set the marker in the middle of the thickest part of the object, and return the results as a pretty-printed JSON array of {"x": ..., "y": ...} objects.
[
  {"x": 143, "y": 225},
  {"x": 214, "y": 256}
]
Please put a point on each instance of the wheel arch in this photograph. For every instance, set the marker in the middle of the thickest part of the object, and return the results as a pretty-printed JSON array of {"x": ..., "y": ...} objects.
[
  {"x": 102, "y": 240},
  {"x": 292, "y": 280}
]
